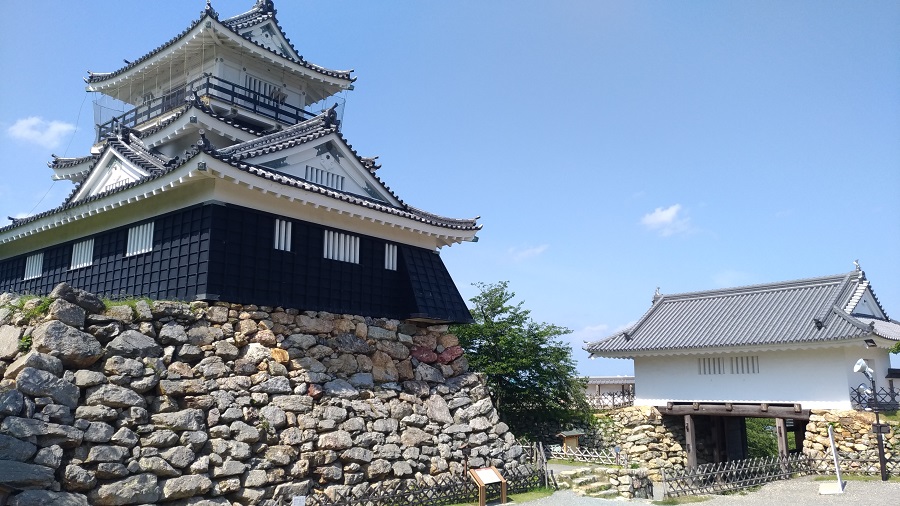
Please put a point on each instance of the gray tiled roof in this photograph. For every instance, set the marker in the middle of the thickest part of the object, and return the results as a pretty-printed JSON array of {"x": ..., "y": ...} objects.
[
  {"x": 240, "y": 156},
  {"x": 233, "y": 25},
  {"x": 786, "y": 313}
]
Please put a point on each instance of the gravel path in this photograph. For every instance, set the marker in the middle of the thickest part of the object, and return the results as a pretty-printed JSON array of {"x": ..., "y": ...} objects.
[{"x": 797, "y": 492}]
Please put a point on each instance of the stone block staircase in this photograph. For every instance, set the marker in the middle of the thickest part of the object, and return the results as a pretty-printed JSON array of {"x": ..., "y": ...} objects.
[{"x": 591, "y": 481}]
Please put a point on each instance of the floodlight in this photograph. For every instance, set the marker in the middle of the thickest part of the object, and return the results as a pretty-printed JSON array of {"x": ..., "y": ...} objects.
[{"x": 863, "y": 367}]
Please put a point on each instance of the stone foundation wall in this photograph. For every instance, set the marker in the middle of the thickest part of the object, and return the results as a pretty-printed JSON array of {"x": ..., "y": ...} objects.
[
  {"x": 194, "y": 404},
  {"x": 853, "y": 437}
]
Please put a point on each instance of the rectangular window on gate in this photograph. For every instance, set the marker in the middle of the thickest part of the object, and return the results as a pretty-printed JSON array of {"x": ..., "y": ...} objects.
[
  {"x": 341, "y": 247},
  {"x": 711, "y": 365},
  {"x": 282, "y": 235},
  {"x": 140, "y": 239},
  {"x": 390, "y": 257},
  {"x": 34, "y": 266},
  {"x": 82, "y": 254}
]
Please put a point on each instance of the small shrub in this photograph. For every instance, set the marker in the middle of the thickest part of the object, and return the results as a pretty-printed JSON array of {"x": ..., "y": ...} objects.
[{"x": 25, "y": 343}]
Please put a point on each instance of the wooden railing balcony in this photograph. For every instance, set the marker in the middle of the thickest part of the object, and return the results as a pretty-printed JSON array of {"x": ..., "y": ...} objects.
[{"x": 216, "y": 91}]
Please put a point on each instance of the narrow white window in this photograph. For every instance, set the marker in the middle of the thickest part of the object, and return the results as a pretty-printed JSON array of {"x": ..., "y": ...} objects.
[
  {"x": 82, "y": 254},
  {"x": 282, "y": 235},
  {"x": 390, "y": 257},
  {"x": 341, "y": 247},
  {"x": 34, "y": 266},
  {"x": 140, "y": 239}
]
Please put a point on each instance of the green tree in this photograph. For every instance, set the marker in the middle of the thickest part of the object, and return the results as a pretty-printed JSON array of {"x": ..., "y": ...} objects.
[{"x": 529, "y": 370}]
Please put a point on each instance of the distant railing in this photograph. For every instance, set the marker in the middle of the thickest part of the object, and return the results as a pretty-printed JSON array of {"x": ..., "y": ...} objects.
[
  {"x": 225, "y": 92},
  {"x": 602, "y": 456},
  {"x": 611, "y": 400},
  {"x": 885, "y": 399}
]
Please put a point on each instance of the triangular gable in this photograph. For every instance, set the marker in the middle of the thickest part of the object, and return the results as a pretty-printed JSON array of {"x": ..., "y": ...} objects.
[
  {"x": 330, "y": 163},
  {"x": 110, "y": 172},
  {"x": 867, "y": 305},
  {"x": 269, "y": 36}
]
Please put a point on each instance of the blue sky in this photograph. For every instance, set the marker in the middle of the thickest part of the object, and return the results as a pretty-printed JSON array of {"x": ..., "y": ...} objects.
[{"x": 609, "y": 147}]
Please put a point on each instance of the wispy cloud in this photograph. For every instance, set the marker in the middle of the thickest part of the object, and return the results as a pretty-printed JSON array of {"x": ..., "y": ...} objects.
[
  {"x": 37, "y": 130},
  {"x": 519, "y": 254},
  {"x": 728, "y": 278},
  {"x": 593, "y": 333},
  {"x": 668, "y": 221}
]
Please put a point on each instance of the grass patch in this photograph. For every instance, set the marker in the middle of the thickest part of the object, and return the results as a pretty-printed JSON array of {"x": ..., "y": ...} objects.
[
  {"x": 856, "y": 477},
  {"x": 688, "y": 499},
  {"x": 531, "y": 495}
]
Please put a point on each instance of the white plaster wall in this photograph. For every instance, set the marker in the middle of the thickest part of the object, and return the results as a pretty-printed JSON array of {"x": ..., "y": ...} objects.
[{"x": 815, "y": 378}]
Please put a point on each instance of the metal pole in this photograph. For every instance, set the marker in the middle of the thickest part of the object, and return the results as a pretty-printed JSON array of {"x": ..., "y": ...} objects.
[{"x": 876, "y": 405}]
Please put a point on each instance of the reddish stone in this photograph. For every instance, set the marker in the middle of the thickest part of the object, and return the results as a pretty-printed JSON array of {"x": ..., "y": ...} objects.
[
  {"x": 450, "y": 354},
  {"x": 315, "y": 391},
  {"x": 424, "y": 355}
]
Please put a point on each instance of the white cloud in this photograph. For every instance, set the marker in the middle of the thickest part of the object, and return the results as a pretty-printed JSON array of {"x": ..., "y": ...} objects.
[
  {"x": 668, "y": 221},
  {"x": 519, "y": 254},
  {"x": 37, "y": 130}
]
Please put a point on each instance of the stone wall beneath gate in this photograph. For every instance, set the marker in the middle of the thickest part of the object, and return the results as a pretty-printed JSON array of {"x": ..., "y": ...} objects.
[
  {"x": 188, "y": 404},
  {"x": 856, "y": 443}
]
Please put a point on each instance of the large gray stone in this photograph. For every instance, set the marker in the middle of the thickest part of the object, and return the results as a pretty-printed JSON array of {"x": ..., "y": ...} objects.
[
  {"x": 114, "y": 396},
  {"x": 15, "y": 449},
  {"x": 78, "y": 478},
  {"x": 37, "y": 360},
  {"x": 47, "y": 434},
  {"x": 293, "y": 403},
  {"x": 20, "y": 476},
  {"x": 48, "y": 498},
  {"x": 37, "y": 383},
  {"x": 187, "y": 419},
  {"x": 76, "y": 349},
  {"x": 133, "y": 344},
  {"x": 11, "y": 402},
  {"x": 9, "y": 341},
  {"x": 341, "y": 389},
  {"x": 337, "y": 440},
  {"x": 86, "y": 300},
  {"x": 183, "y": 487},
  {"x": 66, "y": 312},
  {"x": 137, "y": 489},
  {"x": 172, "y": 333}
]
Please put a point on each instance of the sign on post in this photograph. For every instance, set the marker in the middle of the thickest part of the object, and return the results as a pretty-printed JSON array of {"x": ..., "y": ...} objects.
[
  {"x": 882, "y": 428},
  {"x": 485, "y": 476}
]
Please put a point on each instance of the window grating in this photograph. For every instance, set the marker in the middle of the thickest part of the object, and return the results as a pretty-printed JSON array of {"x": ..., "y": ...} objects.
[
  {"x": 82, "y": 254},
  {"x": 140, "y": 239},
  {"x": 342, "y": 247},
  {"x": 390, "y": 257},
  {"x": 745, "y": 365},
  {"x": 711, "y": 365},
  {"x": 282, "y": 235},
  {"x": 324, "y": 178},
  {"x": 34, "y": 266}
]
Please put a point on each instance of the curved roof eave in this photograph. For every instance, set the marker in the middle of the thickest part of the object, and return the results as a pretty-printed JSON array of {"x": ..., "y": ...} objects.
[{"x": 343, "y": 77}]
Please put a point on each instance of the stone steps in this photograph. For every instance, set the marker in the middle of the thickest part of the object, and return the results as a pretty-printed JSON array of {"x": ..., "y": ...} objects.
[{"x": 587, "y": 481}]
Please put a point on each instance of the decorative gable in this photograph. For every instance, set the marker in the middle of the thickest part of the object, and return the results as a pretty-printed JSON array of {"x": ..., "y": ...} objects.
[
  {"x": 329, "y": 165},
  {"x": 269, "y": 36},
  {"x": 110, "y": 173}
]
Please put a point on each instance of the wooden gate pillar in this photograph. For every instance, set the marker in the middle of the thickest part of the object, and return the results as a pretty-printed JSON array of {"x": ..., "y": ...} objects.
[
  {"x": 781, "y": 436},
  {"x": 691, "y": 441}
]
